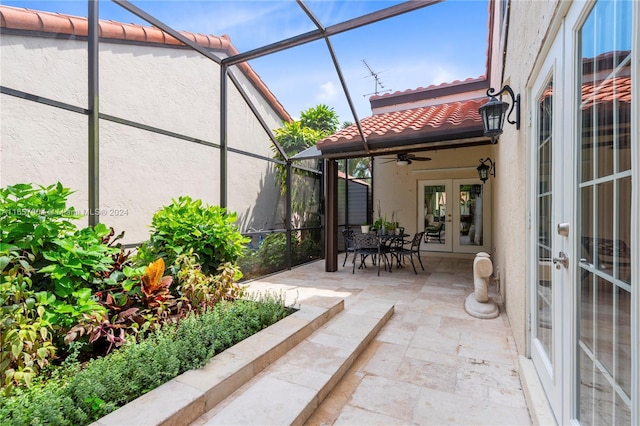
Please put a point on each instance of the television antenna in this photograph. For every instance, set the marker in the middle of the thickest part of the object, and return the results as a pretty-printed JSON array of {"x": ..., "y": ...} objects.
[{"x": 377, "y": 80}]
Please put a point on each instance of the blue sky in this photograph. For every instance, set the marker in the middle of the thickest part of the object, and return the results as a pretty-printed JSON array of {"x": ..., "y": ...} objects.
[{"x": 436, "y": 44}]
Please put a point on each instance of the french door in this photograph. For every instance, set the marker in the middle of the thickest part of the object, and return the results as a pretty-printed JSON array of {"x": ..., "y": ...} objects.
[
  {"x": 584, "y": 302},
  {"x": 551, "y": 248},
  {"x": 454, "y": 213}
]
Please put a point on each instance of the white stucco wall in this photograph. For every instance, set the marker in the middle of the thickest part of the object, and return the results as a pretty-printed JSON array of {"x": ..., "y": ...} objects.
[
  {"x": 528, "y": 25},
  {"x": 43, "y": 145},
  {"x": 173, "y": 89}
]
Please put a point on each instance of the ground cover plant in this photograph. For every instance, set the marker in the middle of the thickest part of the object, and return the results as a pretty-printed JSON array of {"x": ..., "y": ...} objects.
[
  {"x": 77, "y": 396},
  {"x": 70, "y": 295}
]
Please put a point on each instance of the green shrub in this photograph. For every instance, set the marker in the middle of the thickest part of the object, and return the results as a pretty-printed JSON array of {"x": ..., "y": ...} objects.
[
  {"x": 185, "y": 225},
  {"x": 47, "y": 270},
  {"x": 200, "y": 290},
  {"x": 104, "y": 384}
]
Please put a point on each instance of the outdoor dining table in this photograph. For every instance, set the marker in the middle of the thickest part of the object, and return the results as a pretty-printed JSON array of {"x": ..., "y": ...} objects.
[
  {"x": 379, "y": 247},
  {"x": 393, "y": 241}
]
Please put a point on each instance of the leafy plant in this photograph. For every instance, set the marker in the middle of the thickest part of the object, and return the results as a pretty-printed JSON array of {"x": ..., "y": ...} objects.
[
  {"x": 26, "y": 340},
  {"x": 79, "y": 396},
  {"x": 201, "y": 290},
  {"x": 155, "y": 287},
  {"x": 186, "y": 224}
]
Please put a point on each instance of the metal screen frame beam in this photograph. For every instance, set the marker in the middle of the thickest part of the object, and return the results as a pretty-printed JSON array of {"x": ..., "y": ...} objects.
[
  {"x": 310, "y": 36},
  {"x": 93, "y": 183},
  {"x": 167, "y": 29}
]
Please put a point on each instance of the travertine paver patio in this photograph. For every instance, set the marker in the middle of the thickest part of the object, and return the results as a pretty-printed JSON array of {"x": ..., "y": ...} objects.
[{"x": 432, "y": 363}]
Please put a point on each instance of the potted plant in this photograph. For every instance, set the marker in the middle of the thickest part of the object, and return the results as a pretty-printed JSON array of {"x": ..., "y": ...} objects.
[
  {"x": 364, "y": 227},
  {"x": 378, "y": 226}
]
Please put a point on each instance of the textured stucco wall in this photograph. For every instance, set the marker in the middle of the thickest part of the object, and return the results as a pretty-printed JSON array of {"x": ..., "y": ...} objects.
[
  {"x": 528, "y": 23},
  {"x": 172, "y": 89}
]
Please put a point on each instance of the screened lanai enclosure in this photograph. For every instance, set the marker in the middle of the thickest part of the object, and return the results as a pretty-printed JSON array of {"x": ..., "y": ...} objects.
[{"x": 127, "y": 105}]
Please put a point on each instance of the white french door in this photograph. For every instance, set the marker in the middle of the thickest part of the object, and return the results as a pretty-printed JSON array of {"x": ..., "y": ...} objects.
[
  {"x": 454, "y": 213},
  {"x": 584, "y": 302},
  {"x": 551, "y": 248}
]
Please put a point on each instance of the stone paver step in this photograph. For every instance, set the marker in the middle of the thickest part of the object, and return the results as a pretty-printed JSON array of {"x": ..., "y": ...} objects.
[
  {"x": 183, "y": 399},
  {"x": 290, "y": 389}
]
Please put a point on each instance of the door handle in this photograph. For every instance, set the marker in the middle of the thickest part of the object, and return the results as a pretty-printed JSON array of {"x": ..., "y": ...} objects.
[{"x": 561, "y": 260}]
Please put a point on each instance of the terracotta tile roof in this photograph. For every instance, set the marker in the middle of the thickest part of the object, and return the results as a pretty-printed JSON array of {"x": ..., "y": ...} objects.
[
  {"x": 432, "y": 87},
  {"x": 618, "y": 89},
  {"x": 16, "y": 18},
  {"x": 454, "y": 120}
]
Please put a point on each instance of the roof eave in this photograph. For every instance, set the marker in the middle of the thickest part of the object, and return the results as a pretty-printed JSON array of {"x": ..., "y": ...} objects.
[{"x": 454, "y": 138}]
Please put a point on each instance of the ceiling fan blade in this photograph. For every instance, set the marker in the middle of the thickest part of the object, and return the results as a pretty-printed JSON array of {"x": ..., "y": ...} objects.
[{"x": 421, "y": 159}]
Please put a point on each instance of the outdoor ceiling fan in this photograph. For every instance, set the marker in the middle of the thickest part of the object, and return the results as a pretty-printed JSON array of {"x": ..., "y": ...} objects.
[{"x": 404, "y": 159}]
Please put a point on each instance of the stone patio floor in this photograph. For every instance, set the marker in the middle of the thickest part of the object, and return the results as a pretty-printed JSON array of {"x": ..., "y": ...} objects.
[{"x": 432, "y": 363}]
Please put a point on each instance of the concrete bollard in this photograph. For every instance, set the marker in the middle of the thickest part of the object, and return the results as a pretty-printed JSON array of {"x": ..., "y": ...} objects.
[
  {"x": 482, "y": 270},
  {"x": 478, "y": 303}
]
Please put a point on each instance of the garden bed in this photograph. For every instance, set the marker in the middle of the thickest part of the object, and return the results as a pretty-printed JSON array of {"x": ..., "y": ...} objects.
[
  {"x": 78, "y": 393},
  {"x": 88, "y": 326}
]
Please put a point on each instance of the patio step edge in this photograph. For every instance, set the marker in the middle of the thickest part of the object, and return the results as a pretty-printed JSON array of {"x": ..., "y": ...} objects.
[
  {"x": 186, "y": 397},
  {"x": 291, "y": 389}
]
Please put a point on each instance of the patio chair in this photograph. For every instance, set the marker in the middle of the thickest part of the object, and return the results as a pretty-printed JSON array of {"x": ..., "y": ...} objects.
[
  {"x": 413, "y": 250},
  {"x": 370, "y": 245},
  {"x": 434, "y": 231},
  {"x": 347, "y": 235}
]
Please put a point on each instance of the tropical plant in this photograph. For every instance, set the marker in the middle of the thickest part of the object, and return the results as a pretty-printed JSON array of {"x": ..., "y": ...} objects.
[
  {"x": 189, "y": 225},
  {"x": 202, "y": 291},
  {"x": 321, "y": 118},
  {"x": 26, "y": 341},
  {"x": 51, "y": 262}
]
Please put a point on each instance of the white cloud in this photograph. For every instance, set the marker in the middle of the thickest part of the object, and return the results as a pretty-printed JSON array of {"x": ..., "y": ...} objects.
[{"x": 328, "y": 92}]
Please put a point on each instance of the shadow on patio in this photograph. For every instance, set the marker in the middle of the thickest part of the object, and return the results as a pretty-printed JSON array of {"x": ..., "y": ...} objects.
[{"x": 432, "y": 363}]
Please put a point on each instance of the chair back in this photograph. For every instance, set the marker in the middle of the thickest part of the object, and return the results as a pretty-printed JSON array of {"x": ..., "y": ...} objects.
[
  {"x": 347, "y": 235},
  {"x": 363, "y": 241},
  {"x": 417, "y": 239}
]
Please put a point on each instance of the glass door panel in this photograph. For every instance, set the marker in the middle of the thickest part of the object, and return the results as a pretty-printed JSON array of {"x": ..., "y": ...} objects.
[
  {"x": 548, "y": 209},
  {"x": 604, "y": 370},
  {"x": 433, "y": 198},
  {"x": 472, "y": 204},
  {"x": 544, "y": 283}
]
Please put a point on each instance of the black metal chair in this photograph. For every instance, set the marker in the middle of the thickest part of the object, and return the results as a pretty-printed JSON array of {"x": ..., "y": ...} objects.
[
  {"x": 347, "y": 235},
  {"x": 413, "y": 250},
  {"x": 370, "y": 245}
]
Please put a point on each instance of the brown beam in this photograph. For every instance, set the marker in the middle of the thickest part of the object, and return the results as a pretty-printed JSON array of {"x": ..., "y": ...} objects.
[{"x": 331, "y": 216}]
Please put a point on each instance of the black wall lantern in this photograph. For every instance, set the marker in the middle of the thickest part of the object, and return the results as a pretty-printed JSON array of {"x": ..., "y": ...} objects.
[
  {"x": 484, "y": 171},
  {"x": 492, "y": 112}
]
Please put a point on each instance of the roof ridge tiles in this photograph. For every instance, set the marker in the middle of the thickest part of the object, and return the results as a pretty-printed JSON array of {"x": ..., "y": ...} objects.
[{"x": 431, "y": 87}]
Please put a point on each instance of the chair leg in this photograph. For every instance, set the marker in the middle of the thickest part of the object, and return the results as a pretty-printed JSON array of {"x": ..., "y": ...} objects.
[
  {"x": 412, "y": 264},
  {"x": 345, "y": 258},
  {"x": 420, "y": 260}
]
